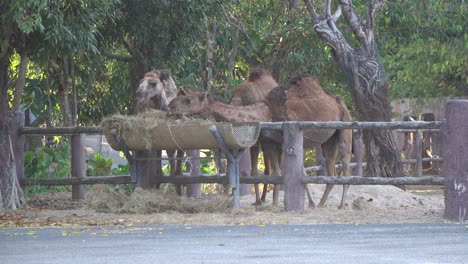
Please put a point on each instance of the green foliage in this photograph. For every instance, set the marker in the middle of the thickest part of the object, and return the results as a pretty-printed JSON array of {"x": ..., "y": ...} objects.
[
  {"x": 99, "y": 166},
  {"x": 423, "y": 44},
  {"x": 47, "y": 162},
  {"x": 208, "y": 165}
]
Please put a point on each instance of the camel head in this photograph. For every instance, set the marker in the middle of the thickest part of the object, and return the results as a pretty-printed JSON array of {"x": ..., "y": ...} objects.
[
  {"x": 194, "y": 103},
  {"x": 155, "y": 91}
]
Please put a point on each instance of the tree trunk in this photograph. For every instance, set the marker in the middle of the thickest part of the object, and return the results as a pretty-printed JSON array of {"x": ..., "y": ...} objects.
[
  {"x": 369, "y": 89},
  {"x": 231, "y": 63},
  {"x": 23, "y": 68},
  {"x": 59, "y": 74},
  {"x": 365, "y": 76},
  {"x": 210, "y": 35},
  {"x": 11, "y": 195}
]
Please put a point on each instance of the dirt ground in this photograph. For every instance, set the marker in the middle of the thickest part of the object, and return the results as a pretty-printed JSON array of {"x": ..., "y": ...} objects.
[{"x": 365, "y": 204}]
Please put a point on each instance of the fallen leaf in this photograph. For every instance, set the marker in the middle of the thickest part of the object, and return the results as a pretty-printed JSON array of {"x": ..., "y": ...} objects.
[{"x": 32, "y": 232}]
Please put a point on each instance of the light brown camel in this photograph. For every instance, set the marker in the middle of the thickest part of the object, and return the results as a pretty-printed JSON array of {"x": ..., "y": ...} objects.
[
  {"x": 302, "y": 100},
  {"x": 155, "y": 91},
  {"x": 252, "y": 91}
]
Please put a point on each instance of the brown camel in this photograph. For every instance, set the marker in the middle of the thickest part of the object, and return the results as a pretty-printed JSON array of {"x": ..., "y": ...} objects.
[
  {"x": 302, "y": 100},
  {"x": 155, "y": 91},
  {"x": 252, "y": 91}
]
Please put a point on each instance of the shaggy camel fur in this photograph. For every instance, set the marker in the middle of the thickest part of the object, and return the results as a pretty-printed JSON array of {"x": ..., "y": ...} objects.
[
  {"x": 254, "y": 90},
  {"x": 302, "y": 100},
  {"x": 155, "y": 91}
]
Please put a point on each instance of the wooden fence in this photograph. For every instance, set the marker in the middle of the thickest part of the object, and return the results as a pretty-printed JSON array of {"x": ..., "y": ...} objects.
[{"x": 455, "y": 138}]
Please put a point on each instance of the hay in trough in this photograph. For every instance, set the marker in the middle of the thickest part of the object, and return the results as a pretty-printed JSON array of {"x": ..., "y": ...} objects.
[
  {"x": 152, "y": 118},
  {"x": 141, "y": 201},
  {"x": 158, "y": 130}
]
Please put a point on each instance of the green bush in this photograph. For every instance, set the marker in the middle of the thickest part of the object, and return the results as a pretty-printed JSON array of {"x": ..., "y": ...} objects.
[{"x": 47, "y": 162}]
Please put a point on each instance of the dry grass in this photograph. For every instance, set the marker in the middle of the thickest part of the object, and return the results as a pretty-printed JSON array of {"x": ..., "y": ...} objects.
[
  {"x": 152, "y": 118},
  {"x": 141, "y": 201}
]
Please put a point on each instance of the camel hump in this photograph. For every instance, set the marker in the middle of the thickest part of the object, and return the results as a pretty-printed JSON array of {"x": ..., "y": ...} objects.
[
  {"x": 258, "y": 73},
  {"x": 296, "y": 79}
]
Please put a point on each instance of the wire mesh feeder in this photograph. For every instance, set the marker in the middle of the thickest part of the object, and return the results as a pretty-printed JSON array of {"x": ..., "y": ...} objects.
[{"x": 172, "y": 135}]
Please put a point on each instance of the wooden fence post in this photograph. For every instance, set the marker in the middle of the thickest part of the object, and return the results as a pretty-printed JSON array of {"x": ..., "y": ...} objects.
[
  {"x": 293, "y": 164},
  {"x": 455, "y": 168},
  {"x": 418, "y": 153},
  {"x": 78, "y": 165},
  {"x": 18, "y": 140},
  {"x": 194, "y": 190}
]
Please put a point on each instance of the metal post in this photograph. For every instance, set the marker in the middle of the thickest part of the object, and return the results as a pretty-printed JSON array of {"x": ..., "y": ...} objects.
[
  {"x": 128, "y": 156},
  {"x": 233, "y": 165}
]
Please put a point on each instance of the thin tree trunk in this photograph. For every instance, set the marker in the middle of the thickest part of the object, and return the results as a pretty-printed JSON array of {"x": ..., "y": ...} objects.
[
  {"x": 74, "y": 92},
  {"x": 63, "y": 87},
  {"x": 210, "y": 34},
  {"x": 20, "y": 83},
  {"x": 11, "y": 194},
  {"x": 232, "y": 63}
]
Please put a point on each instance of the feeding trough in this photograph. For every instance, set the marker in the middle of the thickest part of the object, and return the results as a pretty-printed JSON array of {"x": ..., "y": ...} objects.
[{"x": 156, "y": 131}]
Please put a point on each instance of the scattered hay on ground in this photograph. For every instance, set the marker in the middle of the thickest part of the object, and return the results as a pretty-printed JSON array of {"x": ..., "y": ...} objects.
[
  {"x": 141, "y": 201},
  {"x": 103, "y": 197}
]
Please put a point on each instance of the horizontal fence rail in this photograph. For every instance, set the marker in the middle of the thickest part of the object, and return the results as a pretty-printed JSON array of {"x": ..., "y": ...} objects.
[
  {"x": 266, "y": 125},
  {"x": 61, "y": 130},
  {"x": 356, "y": 125},
  {"x": 357, "y": 180},
  {"x": 221, "y": 179}
]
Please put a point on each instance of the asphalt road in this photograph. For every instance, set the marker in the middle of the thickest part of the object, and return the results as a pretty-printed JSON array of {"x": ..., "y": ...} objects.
[{"x": 318, "y": 243}]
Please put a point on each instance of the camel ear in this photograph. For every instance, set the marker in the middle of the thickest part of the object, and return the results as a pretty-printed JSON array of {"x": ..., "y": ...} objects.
[
  {"x": 164, "y": 75},
  {"x": 182, "y": 91},
  {"x": 203, "y": 96}
]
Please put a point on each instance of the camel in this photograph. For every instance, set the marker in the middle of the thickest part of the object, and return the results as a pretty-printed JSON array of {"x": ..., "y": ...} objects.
[
  {"x": 155, "y": 91},
  {"x": 252, "y": 91},
  {"x": 302, "y": 100}
]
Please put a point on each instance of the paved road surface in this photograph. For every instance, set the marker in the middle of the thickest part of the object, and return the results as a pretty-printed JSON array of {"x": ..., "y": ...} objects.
[{"x": 322, "y": 243}]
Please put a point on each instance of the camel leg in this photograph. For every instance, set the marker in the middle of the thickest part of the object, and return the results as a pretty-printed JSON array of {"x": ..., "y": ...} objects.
[
  {"x": 345, "y": 149},
  {"x": 264, "y": 192},
  {"x": 175, "y": 168},
  {"x": 309, "y": 195},
  {"x": 178, "y": 170},
  {"x": 343, "y": 197},
  {"x": 270, "y": 153},
  {"x": 266, "y": 162},
  {"x": 330, "y": 149},
  {"x": 254, "y": 150}
]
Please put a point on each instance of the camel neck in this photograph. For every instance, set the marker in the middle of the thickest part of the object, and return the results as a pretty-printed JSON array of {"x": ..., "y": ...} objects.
[{"x": 253, "y": 113}]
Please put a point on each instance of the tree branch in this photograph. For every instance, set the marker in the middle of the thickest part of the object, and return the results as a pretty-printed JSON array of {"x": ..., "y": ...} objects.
[
  {"x": 238, "y": 25},
  {"x": 337, "y": 14},
  {"x": 349, "y": 12},
  {"x": 125, "y": 58},
  {"x": 310, "y": 7}
]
